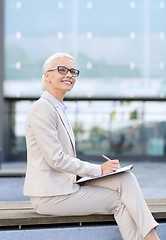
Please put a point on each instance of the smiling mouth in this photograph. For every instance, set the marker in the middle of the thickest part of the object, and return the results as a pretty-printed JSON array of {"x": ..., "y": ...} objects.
[{"x": 67, "y": 82}]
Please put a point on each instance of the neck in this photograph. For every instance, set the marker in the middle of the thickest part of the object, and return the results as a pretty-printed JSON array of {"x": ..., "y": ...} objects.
[{"x": 57, "y": 95}]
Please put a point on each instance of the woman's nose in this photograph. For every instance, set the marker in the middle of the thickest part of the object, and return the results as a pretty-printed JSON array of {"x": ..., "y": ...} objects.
[{"x": 68, "y": 74}]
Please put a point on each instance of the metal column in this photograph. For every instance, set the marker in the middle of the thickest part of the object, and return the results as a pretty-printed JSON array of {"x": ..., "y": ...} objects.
[{"x": 1, "y": 78}]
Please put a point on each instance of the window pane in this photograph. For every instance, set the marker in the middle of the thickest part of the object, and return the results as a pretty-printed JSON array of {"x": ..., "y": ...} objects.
[
  {"x": 100, "y": 127},
  {"x": 121, "y": 54},
  {"x": 108, "y": 127},
  {"x": 155, "y": 128}
]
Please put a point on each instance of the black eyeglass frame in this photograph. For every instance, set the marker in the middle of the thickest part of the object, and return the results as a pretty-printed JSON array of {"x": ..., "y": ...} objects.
[{"x": 70, "y": 70}]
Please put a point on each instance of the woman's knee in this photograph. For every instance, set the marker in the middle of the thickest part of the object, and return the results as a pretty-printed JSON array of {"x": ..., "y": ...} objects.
[
  {"x": 127, "y": 176},
  {"x": 40, "y": 205},
  {"x": 128, "y": 180}
]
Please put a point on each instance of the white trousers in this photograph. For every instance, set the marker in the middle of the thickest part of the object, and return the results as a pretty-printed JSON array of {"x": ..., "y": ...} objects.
[{"x": 118, "y": 194}]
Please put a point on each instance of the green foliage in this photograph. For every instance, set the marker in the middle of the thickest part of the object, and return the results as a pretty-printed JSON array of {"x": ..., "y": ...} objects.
[
  {"x": 32, "y": 69},
  {"x": 78, "y": 128},
  {"x": 102, "y": 69},
  {"x": 29, "y": 69},
  {"x": 96, "y": 132},
  {"x": 134, "y": 115}
]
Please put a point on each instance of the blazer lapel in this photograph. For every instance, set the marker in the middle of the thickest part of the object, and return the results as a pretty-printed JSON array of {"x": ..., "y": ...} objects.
[{"x": 63, "y": 118}]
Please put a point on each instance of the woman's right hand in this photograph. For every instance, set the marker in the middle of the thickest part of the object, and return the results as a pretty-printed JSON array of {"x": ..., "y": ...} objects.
[{"x": 110, "y": 166}]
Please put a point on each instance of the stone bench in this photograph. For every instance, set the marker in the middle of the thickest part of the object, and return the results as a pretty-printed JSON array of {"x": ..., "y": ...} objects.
[{"x": 21, "y": 214}]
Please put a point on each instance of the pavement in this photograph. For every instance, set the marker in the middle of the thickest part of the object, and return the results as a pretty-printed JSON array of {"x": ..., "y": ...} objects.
[{"x": 150, "y": 175}]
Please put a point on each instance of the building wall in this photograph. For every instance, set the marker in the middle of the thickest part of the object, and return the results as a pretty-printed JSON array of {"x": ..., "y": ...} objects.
[
  {"x": 1, "y": 81},
  {"x": 120, "y": 49}
]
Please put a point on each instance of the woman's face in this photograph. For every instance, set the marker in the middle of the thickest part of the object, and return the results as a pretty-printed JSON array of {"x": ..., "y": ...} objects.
[{"x": 58, "y": 83}]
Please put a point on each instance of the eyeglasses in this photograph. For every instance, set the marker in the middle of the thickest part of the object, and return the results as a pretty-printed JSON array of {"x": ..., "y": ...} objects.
[{"x": 64, "y": 70}]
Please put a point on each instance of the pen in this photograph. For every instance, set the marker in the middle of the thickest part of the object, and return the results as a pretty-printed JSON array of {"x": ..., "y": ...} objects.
[{"x": 106, "y": 158}]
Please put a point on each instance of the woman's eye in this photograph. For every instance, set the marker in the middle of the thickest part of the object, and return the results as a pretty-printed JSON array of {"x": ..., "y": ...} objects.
[{"x": 63, "y": 70}]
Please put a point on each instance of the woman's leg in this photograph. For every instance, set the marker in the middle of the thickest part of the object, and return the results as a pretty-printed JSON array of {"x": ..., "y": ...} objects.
[
  {"x": 152, "y": 235},
  {"x": 90, "y": 200},
  {"x": 131, "y": 196},
  {"x": 87, "y": 200}
]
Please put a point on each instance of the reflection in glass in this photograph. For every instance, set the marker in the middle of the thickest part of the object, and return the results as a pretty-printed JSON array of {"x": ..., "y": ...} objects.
[
  {"x": 123, "y": 55},
  {"x": 118, "y": 57},
  {"x": 101, "y": 127}
]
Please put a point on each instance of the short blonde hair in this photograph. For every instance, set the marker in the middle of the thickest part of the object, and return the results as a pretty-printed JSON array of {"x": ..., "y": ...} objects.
[{"x": 48, "y": 64}]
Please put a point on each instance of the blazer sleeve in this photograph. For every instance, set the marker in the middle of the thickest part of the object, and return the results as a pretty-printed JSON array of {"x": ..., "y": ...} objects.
[{"x": 43, "y": 126}]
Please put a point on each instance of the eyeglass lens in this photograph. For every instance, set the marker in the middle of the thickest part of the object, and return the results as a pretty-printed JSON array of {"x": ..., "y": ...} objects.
[{"x": 64, "y": 70}]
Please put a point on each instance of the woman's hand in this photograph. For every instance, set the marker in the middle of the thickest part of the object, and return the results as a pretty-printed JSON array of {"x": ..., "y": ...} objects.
[{"x": 110, "y": 166}]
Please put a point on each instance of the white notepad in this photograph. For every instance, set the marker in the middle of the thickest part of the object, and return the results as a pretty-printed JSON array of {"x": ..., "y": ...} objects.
[{"x": 120, "y": 170}]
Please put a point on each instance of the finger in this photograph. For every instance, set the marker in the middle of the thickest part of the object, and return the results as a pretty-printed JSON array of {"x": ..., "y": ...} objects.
[
  {"x": 112, "y": 165},
  {"x": 115, "y": 161},
  {"x": 115, "y": 168}
]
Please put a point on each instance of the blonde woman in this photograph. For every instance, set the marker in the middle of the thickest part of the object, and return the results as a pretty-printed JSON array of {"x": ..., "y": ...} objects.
[{"x": 52, "y": 165}]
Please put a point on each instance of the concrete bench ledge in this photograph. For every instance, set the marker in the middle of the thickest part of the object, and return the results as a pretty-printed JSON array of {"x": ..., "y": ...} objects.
[
  {"x": 12, "y": 173},
  {"x": 19, "y": 214}
]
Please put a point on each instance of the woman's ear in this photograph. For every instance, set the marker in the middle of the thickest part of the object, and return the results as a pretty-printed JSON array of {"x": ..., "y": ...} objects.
[{"x": 46, "y": 76}]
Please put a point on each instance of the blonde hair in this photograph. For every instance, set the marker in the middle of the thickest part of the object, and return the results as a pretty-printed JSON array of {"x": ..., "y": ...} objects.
[{"x": 48, "y": 64}]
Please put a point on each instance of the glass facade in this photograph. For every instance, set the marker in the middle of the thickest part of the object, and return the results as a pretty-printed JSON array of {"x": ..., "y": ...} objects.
[
  {"x": 120, "y": 49},
  {"x": 120, "y": 128}
]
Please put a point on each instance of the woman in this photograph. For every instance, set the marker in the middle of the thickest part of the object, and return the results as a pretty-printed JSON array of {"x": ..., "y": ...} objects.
[{"x": 52, "y": 164}]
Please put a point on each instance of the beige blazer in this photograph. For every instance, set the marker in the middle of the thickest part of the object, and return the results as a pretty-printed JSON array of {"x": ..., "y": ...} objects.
[{"x": 52, "y": 165}]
